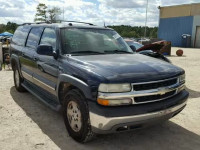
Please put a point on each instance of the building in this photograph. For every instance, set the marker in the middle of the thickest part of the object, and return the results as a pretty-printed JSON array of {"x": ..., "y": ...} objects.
[{"x": 178, "y": 20}]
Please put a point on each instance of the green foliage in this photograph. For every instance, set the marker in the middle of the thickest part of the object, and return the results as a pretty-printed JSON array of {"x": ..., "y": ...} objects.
[
  {"x": 53, "y": 13},
  {"x": 9, "y": 27},
  {"x": 135, "y": 32},
  {"x": 41, "y": 14},
  {"x": 44, "y": 14}
]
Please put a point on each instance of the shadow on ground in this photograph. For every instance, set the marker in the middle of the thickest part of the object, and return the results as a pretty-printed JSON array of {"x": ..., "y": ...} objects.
[
  {"x": 193, "y": 94},
  {"x": 176, "y": 56},
  {"x": 166, "y": 136}
]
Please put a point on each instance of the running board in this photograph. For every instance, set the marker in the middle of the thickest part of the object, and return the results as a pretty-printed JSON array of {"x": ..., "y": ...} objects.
[{"x": 49, "y": 100}]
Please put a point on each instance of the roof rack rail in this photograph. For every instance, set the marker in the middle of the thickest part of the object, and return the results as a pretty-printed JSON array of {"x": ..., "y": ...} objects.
[
  {"x": 76, "y": 22},
  {"x": 26, "y": 23},
  {"x": 47, "y": 22}
]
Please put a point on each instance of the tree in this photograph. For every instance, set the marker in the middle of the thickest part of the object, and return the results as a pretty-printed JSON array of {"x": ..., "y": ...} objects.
[
  {"x": 135, "y": 32},
  {"x": 53, "y": 14},
  {"x": 41, "y": 14},
  {"x": 2, "y": 28},
  {"x": 11, "y": 27}
]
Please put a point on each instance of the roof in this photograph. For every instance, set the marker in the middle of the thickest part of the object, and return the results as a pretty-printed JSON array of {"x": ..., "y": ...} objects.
[
  {"x": 180, "y": 5},
  {"x": 180, "y": 10}
]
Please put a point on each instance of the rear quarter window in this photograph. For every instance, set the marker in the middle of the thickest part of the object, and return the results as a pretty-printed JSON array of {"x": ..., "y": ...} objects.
[{"x": 20, "y": 35}]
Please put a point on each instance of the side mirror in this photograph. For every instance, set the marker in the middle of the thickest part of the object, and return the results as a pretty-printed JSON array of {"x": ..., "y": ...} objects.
[
  {"x": 133, "y": 48},
  {"x": 45, "y": 50}
]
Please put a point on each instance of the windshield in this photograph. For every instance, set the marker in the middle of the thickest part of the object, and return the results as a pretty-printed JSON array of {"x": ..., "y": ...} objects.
[{"x": 96, "y": 41}]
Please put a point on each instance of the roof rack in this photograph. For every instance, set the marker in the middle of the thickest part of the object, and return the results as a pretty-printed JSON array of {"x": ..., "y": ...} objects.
[
  {"x": 47, "y": 22},
  {"x": 76, "y": 22},
  {"x": 70, "y": 22}
]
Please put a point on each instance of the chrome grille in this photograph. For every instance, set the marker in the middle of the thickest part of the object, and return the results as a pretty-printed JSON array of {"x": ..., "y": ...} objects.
[
  {"x": 149, "y": 86},
  {"x": 143, "y": 99}
]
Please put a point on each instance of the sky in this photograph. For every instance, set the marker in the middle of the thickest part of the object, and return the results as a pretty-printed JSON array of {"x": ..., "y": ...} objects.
[{"x": 112, "y": 12}]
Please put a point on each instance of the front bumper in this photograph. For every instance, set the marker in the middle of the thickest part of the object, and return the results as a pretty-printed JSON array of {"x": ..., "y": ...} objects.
[{"x": 103, "y": 123}]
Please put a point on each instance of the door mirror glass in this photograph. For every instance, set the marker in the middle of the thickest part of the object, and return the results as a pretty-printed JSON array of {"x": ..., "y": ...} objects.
[{"x": 45, "y": 50}]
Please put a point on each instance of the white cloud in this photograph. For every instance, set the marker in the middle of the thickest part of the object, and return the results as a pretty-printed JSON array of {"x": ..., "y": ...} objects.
[
  {"x": 124, "y": 4},
  {"x": 113, "y": 12}
]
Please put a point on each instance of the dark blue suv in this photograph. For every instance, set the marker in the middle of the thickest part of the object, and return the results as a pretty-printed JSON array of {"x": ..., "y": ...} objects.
[{"x": 93, "y": 76}]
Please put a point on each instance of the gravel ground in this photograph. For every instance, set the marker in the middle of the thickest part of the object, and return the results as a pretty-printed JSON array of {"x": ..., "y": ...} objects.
[{"x": 27, "y": 124}]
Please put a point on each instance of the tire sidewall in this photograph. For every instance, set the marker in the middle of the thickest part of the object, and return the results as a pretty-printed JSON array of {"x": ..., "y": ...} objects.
[
  {"x": 18, "y": 88},
  {"x": 79, "y": 99}
]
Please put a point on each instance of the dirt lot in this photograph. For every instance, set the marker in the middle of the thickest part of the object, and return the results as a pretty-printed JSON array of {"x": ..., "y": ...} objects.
[{"x": 26, "y": 123}]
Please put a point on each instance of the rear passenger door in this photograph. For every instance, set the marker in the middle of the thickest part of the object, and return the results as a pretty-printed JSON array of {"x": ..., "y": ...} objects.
[
  {"x": 28, "y": 65},
  {"x": 46, "y": 74},
  {"x": 18, "y": 41}
]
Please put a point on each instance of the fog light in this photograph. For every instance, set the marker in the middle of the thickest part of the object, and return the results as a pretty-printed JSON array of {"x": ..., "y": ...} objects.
[{"x": 114, "y": 102}]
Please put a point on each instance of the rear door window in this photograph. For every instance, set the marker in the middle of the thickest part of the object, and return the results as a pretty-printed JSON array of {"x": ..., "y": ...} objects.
[
  {"x": 49, "y": 37},
  {"x": 20, "y": 35},
  {"x": 34, "y": 37}
]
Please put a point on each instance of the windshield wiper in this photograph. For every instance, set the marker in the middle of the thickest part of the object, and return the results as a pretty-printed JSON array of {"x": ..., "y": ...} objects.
[
  {"x": 118, "y": 51},
  {"x": 86, "y": 52}
]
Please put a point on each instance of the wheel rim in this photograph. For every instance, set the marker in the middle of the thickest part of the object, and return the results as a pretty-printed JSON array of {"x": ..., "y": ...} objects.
[
  {"x": 17, "y": 78},
  {"x": 74, "y": 116}
]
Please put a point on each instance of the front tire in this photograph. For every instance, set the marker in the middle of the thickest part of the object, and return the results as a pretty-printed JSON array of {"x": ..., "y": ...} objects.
[
  {"x": 76, "y": 116},
  {"x": 18, "y": 81}
]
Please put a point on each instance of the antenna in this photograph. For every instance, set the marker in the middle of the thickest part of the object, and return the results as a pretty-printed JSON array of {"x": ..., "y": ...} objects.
[
  {"x": 63, "y": 13},
  {"x": 105, "y": 24},
  {"x": 145, "y": 30}
]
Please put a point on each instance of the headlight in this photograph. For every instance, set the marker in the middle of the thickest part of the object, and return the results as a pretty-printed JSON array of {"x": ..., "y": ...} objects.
[
  {"x": 114, "y": 88},
  {"x": 182, "y": 79}
]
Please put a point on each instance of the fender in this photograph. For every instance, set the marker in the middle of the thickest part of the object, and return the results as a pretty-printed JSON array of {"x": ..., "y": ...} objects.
[
  {"x": 16, "y": 59},
  {"x": 75, "y": 82}
]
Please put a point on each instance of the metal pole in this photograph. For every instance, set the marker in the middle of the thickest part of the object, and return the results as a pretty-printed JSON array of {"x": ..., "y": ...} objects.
[
  {"x": 63, "y": 13},
  {"x": 145, "y": 32}
]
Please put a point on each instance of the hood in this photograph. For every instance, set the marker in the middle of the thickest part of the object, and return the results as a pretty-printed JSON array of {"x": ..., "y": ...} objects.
[{"x": 118, "y": 68}]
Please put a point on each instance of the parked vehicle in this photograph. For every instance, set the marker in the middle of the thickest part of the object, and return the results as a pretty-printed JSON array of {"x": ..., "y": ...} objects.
[
  {"x": 151, "y": 50},
  {"x": 141, "y": 40},
  {"x": 91, "y": 73}
]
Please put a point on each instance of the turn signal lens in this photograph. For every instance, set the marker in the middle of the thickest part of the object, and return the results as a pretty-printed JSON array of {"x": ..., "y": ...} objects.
[
  {"x": 103, "y": 102},
  {"x": 114, "y": 102}
]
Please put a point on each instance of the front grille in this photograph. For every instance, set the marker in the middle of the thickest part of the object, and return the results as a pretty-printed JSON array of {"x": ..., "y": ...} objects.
[
  {"x": 143, "y": 99},
  {"x": 156, "y": 85}
]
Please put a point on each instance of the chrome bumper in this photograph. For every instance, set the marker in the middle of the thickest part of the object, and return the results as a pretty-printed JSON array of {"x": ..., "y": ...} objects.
[{"x": 105, "y": 124}]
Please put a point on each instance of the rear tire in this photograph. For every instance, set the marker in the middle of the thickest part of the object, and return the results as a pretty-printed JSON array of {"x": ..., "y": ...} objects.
[
  {"x": 18, "y": 81},
  {"x": 76, "y": 116}
]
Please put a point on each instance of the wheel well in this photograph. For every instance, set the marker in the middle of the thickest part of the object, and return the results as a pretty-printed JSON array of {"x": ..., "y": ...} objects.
[
  {"x": 64, "y": 87},
  {"x": 13, "y": 64}
]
